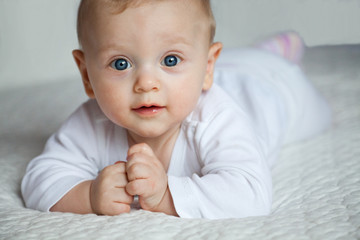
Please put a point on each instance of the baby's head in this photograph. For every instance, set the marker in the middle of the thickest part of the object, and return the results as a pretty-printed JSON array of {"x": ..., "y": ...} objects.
[
  {"x": 146, "y": 62},
  {"x": 87, "y": 12}
]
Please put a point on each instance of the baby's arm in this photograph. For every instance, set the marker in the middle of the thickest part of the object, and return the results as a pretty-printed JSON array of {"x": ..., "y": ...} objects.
[
  {"x": 234, "y": 178},
  {"x": 62, "y": 177},
  {"x": 77, "y": 200},
  {"x": 109, "y": 193},
  {"x": 106, "y": 195}
]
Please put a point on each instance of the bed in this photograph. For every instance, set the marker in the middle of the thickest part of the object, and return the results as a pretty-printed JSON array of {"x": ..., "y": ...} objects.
[{"x": 316, "y": 181}]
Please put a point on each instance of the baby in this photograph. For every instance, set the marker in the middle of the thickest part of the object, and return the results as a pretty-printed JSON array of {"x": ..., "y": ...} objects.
[{"x": 156, "y": 127}]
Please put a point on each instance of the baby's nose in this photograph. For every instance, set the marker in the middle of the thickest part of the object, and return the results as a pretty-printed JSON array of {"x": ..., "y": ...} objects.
[{"x": 146, "y": 82}]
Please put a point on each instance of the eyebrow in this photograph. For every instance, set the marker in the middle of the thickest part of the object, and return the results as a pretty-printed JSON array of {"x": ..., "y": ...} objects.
[
  {"x": 109, "y": 48},
  {"x": 113, "y": 45},
  {"x": 177, "y": 39}
]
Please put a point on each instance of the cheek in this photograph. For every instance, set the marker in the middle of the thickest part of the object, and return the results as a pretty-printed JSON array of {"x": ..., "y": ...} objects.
[
  {"x": 186, "y": 96},
  {"x": 115, "y": 109},
  {"x": 112, "y": 100},
  {"x": 107, "y": 87}
]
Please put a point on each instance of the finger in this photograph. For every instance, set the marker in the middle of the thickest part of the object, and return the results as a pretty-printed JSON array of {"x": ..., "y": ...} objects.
[
  {"x": 114, "y": 169},
  {"x": 140, "y": 148},
  {"x": 137, "y": 157},
  {"x": 120, "y": 180},
  {"x": 111, "y": 202},
  {"x": 137, "y": 170},
  {"x": 139, "y": 187},
  {"x": 118, "y": 208},
  {"x": 138, "y": 166},
  {"x": 120, "y": 166},
  {"x": 120, "y": 195}
]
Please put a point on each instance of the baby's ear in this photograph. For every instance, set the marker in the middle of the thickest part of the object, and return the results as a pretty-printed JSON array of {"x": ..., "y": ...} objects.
[
  {"x": 80, "y": 62},
  {"x": 214, "y": 53}
]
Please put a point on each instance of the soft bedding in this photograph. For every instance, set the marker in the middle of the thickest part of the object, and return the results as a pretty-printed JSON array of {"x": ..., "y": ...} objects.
[{"x": 316, "y": 181}]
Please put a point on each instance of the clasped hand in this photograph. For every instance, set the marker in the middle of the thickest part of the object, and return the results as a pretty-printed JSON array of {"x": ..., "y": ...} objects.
[{"x": 111, "y": 193}]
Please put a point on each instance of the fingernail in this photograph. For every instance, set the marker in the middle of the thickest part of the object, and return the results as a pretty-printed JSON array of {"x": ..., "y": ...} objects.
[{"x": 119, "y": 162}]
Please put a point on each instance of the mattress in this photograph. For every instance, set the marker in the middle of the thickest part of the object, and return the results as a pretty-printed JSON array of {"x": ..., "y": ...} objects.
[{"x": 316, "y": 181}]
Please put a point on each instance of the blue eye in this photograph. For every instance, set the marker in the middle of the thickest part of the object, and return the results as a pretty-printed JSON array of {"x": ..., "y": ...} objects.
[
  {"x": 120, "y": 64},
  {"x": 171, "y": 61}
]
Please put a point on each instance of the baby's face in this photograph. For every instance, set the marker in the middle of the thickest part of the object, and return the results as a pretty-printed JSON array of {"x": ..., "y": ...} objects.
[{"x": 148, "y": 65}]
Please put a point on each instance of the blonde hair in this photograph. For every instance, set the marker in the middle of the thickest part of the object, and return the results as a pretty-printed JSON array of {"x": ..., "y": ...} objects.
[{"x": 87, "y": 8}]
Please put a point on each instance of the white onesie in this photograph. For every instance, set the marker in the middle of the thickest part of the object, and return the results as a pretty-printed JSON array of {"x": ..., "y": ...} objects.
[{"x": 221, "y": 163}]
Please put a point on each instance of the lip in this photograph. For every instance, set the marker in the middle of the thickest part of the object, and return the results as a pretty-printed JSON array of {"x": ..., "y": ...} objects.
[{"x": 148, "y": 110}]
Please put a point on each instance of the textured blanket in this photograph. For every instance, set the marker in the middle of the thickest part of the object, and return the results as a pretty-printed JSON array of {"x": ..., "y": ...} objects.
[{"x": 316, "y": 182}]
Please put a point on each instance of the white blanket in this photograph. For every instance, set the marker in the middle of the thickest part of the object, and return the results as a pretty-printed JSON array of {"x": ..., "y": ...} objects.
[{"x": 316, "y": 182}]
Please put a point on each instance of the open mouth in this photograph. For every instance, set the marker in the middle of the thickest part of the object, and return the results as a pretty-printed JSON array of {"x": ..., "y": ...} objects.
[{"x": 148, "y": 110}]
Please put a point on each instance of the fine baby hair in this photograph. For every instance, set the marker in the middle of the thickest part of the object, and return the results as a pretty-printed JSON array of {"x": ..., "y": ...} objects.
[{"x": 88, "y": 8}]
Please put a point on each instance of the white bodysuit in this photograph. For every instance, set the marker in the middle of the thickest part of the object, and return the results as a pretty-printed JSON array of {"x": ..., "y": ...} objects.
[{"x": 221, "y": 163}]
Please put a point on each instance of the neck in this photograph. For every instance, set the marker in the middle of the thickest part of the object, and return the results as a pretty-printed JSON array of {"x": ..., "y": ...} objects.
[{"x": 162, "y": 145}]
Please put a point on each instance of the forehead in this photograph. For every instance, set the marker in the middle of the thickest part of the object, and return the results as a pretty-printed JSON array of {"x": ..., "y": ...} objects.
[
  {"x": 180, "y": 8},
  {"x": 174, "y": 19},
  {"x": 118, "y": 6},
  {"x": 178, "y": 14}
]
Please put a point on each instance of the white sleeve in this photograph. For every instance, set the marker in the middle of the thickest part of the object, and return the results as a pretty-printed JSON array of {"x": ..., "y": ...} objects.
[
  {"x": 235, "y": 179},
  {"x": 67, "y": 160}
]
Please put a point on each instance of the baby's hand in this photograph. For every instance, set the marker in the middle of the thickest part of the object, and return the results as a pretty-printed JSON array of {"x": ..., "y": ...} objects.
[
  {"x": 146, "y": 175},
  {"x": 107, "y": 193}
]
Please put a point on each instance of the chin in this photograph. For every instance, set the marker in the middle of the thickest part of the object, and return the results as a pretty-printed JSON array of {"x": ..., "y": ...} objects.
[
  {"x": 155, "y": 131},
  {"x": 148, "y": 133}
]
